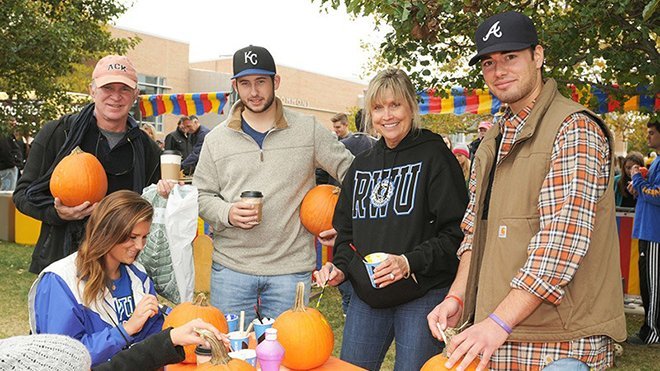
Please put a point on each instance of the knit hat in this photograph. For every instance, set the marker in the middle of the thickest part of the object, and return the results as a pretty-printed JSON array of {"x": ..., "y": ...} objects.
[
  {"x": 115, "y": 68},
  {"x": 43, "y": 352},
  {"x": 253, "y": 60},
  {"x": 461, "y": 149}
]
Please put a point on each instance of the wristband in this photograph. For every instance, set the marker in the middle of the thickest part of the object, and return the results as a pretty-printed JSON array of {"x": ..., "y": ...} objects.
[
  {"x": 460, "y": 302},
  {"x": 501, "y": 323}
]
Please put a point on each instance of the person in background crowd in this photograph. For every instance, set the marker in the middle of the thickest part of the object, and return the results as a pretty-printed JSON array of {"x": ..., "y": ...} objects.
[
  {"x": 404, "y": 197},
  {"x": 463, "y": 156},
  {"x": 196, "y": 132},
  {"x": 179, "y": 139},
  {"x": 645, "y": 228},
  {"x": 97, "y": 295},
  {"x": 483, "y": 127},
  {"x": 622, "y": 197},
  {"x": 11, "y": 158},
  {"x": 149, "y": 129},
  {"x": 104, "y": 129},
  {"x": 448, "y": 142},
  {"x": 541, "y": 244},
  {"x": 263, "y": 147},
  {"x": 340, "y": 126}
]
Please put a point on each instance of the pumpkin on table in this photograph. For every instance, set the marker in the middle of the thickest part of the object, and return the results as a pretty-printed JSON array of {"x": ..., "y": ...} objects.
[
  {"x": 220, "y": 360},
  {"x": 305, "y": 334},
  {"x": 79, "y": 177},
  {"x": 437, "y": 363},
  {"x": 186, "y": 312},
  {"x": 318, "y": 208}
]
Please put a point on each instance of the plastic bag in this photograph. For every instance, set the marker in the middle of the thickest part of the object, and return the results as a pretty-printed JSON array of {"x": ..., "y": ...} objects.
[{"x": 167, "y": 256}]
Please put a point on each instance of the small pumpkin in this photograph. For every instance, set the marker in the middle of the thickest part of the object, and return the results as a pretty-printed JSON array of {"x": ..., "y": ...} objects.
[
  {"x": 79, "y": 177},
  {"x": 305, "y": 334},
  {"x": 188, "y": 311},
  {"x": 318, "y": 208},
  {"x": 437, "y": 363},
  {"x": 220, "y": 360}
]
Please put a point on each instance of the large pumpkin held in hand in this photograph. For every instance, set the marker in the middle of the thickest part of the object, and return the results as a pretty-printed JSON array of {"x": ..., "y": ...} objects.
[
  {"x": 79, "y": 177},
  {"x": 186, "y": 312},
  {"x": 305, "y": 335},
  {"x": 437, "y": 363},
  {"x": 318, "y": 207}
]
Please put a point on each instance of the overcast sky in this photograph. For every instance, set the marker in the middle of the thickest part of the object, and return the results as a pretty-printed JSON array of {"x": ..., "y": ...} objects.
[{"x": 294, "y": 31}]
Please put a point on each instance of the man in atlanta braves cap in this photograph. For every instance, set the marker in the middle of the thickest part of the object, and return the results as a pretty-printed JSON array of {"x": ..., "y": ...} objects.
[
  {"x": 104, "y": 129},
  {"x": 539, "y": 271},
  {"x": 263, "y": 147}
]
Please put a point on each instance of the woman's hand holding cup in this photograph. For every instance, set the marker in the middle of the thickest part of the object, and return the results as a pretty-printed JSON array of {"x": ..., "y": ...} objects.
[{"x": 390, "y": 270}]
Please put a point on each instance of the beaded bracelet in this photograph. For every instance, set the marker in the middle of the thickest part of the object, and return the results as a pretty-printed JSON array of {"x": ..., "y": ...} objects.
[
  {"x": 460, "y": 302},
  {"x": 501, "y": 323}
]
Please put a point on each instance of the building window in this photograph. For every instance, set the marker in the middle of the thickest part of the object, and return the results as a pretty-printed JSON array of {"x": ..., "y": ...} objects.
[{"x": 149, "y": 85}]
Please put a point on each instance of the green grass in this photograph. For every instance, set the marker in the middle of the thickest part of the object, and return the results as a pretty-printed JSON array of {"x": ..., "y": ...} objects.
[{"x": 15, "y": 281}]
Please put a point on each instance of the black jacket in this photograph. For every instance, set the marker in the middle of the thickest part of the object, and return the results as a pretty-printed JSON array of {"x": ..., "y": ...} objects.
[
  {"x": 10, "y": 152},
  {"x": 118, "y": 162},
  {"x": 178, "y": 141},
  {"x": 417, "y": 215},
  {"x": 151, "y": 353}
]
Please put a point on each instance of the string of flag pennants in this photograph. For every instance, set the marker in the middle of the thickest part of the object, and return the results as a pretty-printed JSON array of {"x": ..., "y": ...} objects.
[
  {"x": 481, "y": 101},
  {"x": 183, "y": 104}
]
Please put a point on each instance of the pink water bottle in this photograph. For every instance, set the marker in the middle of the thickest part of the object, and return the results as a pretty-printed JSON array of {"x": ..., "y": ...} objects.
[{"x": 270, "y": 352}]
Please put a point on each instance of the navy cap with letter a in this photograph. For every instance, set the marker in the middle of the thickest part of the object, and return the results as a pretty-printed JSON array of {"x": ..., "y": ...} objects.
[
  {"x": 508, "y": 31},
  {"x": 253, "y": 60}
]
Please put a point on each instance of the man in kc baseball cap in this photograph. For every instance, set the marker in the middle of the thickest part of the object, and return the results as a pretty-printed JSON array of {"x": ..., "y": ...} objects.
[
  {"x": 508, "y": 31},
  {"x": 115, "y": 68},
  {"x": 253, "y": 60}
]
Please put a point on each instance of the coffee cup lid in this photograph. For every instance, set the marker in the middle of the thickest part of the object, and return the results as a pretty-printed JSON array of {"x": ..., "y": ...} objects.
[
  {"x": 171, "y": 152},
  {"x": 256, "y": 194}
]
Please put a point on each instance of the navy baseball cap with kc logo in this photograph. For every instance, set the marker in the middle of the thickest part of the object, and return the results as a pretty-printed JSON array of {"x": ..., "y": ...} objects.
[
  {"x": 502, "y": 32},
  {"x": 253, "y": 60}
]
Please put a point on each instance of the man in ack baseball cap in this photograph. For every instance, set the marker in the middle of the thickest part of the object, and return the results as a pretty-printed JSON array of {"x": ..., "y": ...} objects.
[
  {"x": 115, "y": 68},
  {"x": 253, "y": 60},
  {"x": 504, "y": 32},
  {"x": 104, "y": 129},
  {"x": 543, "y": 172}
]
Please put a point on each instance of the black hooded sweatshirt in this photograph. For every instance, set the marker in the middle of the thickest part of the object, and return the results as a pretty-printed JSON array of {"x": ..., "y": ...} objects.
[{"x": 407, "y": 200}]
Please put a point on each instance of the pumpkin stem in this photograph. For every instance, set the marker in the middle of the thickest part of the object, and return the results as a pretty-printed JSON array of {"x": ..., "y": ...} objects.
[
  {"x": 299, "y": 304},
  {"x": 77, "y": 151},
  {"x": 336, "y": 190},
  {"x": 219, "y": 354},
  {"x": 201, "y": 300}
]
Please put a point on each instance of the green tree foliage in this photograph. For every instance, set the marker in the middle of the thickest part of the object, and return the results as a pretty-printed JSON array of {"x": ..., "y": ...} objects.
[
  {"x": 44, "y": 46},
  {"x": 598, "y": 42}
]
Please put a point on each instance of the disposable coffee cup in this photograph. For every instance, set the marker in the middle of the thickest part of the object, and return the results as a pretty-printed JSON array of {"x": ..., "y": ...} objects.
[
  {"x": 238, "y": 340},
  {"x": 232, "y": 322},
  {"x": 255, "y": 198},
  {"x": 372, "y": 261},
  {"x": 247, "y": 355},
  {"x": 260, "y": 328},
  {"x": 170, "y": 165}
]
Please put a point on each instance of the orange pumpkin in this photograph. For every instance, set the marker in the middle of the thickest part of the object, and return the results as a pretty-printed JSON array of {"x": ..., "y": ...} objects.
[
  {"x": 79, "y": 177},
  {"x": 186, "y": 312},
  {"x": 437, "y": 363},
  {"x": 318, "y": 208},
  {"x": 220, "y": 360},
  {"x": 305, "y": 335}
]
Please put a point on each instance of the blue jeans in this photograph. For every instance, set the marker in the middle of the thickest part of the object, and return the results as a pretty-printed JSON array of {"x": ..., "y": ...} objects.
[
  {"x": 368, "y": 333},
  {"x": 567, "y": 364},
  {"x": 346, "y": 290},
  {"x": 8, "y": 178},
  {"x": 232, "y": 292}
]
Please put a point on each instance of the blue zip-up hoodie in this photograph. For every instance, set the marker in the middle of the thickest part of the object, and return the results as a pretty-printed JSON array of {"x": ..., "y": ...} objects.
[
  {"x": 55, "y": 307},
  {"x": 647, "y": 211}
]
